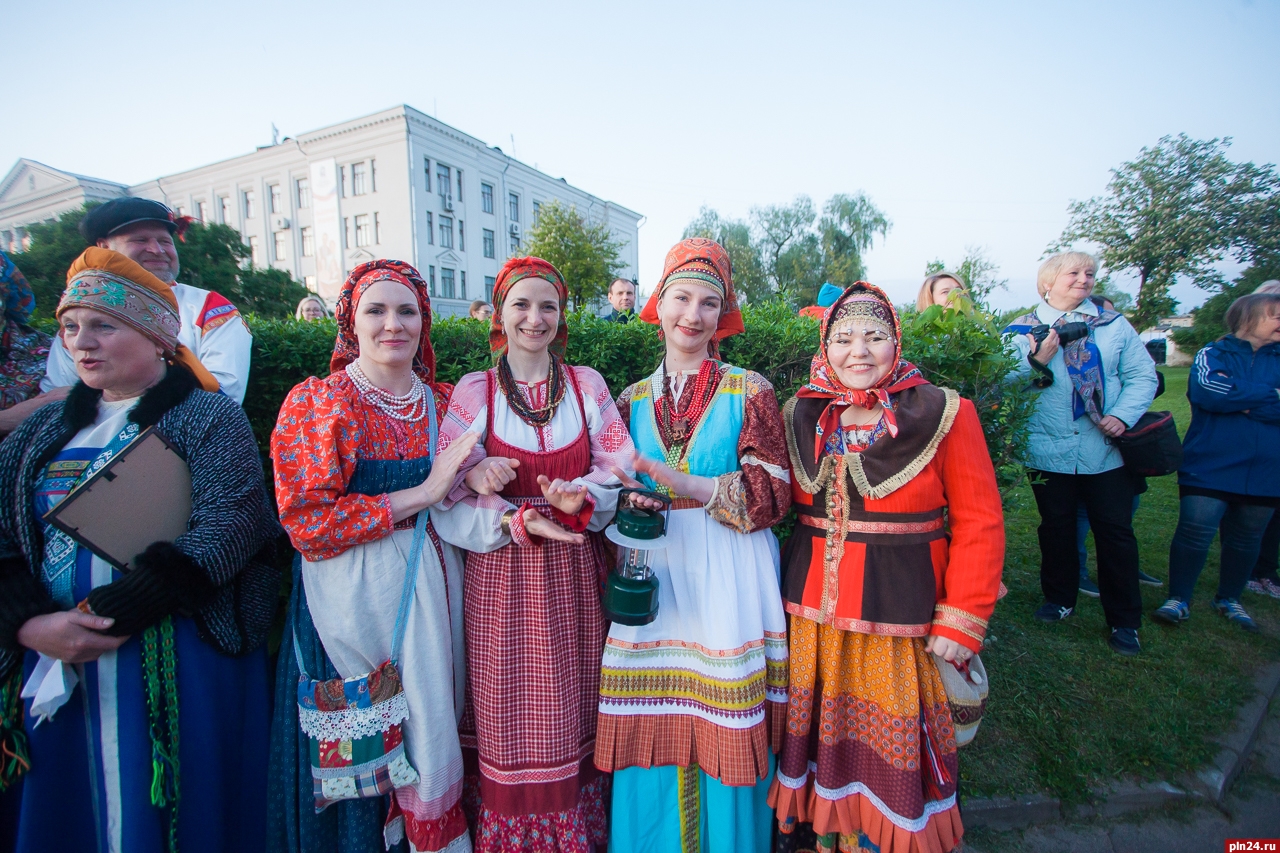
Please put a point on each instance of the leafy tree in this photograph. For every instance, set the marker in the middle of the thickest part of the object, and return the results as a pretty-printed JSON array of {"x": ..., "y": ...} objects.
[
  {"x": 848, "y": 226},
  {"x": 1176, "y": 210},
  {"x": 749, "y": 279},
  {"x": 1208, "y": 320},
  {"x": 586, "y": 254},
  {"x": 780, "y": 228},
  {"x": 54, "y": 246}
]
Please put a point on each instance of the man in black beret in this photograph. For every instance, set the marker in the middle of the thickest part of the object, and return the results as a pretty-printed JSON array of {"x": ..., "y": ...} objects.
[{"x": 143, "y": 231}]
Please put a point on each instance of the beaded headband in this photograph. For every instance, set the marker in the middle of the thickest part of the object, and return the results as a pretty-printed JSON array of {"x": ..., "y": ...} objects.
[{"x": 863, "y": 307}]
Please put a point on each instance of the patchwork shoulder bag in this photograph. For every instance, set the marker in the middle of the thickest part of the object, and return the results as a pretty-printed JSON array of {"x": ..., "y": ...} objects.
[{"x": 354, "y": 724}]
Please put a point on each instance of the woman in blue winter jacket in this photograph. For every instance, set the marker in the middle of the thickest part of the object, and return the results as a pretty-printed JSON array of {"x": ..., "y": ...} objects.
[{"x": 1231, "y": 458}]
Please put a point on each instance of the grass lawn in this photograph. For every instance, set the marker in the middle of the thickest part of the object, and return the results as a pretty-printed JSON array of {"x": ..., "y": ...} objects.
[{"x": 1065, "y": 712}]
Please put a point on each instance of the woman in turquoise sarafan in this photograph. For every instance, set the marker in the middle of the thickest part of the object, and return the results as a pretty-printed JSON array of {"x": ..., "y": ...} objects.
[{"x": 692, "y": 705}]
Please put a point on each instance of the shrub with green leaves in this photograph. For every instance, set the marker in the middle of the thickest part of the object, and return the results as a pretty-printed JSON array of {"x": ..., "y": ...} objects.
[{"x": 956, "y": 349}]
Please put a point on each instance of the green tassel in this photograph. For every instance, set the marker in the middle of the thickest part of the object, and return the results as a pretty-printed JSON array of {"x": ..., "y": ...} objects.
[
  {"x": 160, "y": 678},
  {"x": 15, "y": 753}
]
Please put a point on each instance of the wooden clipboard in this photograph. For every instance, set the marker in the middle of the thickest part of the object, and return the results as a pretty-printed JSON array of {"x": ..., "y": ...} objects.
[{"x": 143, "y": 495}]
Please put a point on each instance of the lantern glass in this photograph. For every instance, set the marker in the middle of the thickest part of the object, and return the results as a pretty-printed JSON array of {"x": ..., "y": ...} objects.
[{"x": 634, "y": 563}]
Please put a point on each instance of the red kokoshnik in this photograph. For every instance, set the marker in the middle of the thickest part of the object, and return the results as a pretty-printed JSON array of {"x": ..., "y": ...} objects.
[
  {"x": 346, "y": 348},
  {"x": 707, "y": 263},
  {"x": 823, "y": 381}
]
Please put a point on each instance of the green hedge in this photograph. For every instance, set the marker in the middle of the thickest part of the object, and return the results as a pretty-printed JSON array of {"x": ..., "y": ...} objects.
[{"x": 953, "y": 349}]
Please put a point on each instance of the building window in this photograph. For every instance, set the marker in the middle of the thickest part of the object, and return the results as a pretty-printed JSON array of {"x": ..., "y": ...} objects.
[
  {"x": 431, "y": 232},
  {"x": 446, "y": 283},
  {"x": 486, "y": 241},
  {"x": 431, "y": 279},
  {"x": 224, "y": 206},
  {"x": 364, "y": 233},
  {"x": 342, "y": 181},
  {"x": 359, "y": 174},
  {"x": 513, "y": 201},
  {"x": 346, "y": 232},
  {"x": 537, "y": 211},
  {"x": 446, "y": 233},
  {"x": 281, "y": 242},
  {"x": 462, "y": 289},
  {"x": 373, "y": 175},
  {"x": 302, "y": 191},
  {"x": 310, "y": 282},
  {"x": 247, "y": 203},
  {"x": 515, "y": 245},
  {"x": 462, "y": 237},
  {"x": 377, "y": 230},
  {"x": 426, "y": 170},
  {"x": 308, "y": 242},
  {"x": 276, "y": 198},
  {"x": 460, "y": 187},
  {"x": 489, "y": 282},
  {"x": 442, "y": 183},
  {"x": 486, "y": 198},
  {"x": 180, "y": 210},
  {"x": 202, "y": 211},
  {"x": 255, "y": 251}
]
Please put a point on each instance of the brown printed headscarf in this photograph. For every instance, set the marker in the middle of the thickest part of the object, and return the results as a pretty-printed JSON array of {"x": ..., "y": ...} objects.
[{"x": 109, "y": 282}]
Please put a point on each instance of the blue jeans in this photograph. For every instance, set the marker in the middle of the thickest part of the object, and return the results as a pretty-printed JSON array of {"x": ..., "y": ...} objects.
[
  {"x": 1198, "y": 520},
  {"x": 1082, "y": 534}
]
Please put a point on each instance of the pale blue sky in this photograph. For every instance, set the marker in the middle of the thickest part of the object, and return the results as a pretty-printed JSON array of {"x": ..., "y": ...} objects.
[{"x": 967, "y": 123}]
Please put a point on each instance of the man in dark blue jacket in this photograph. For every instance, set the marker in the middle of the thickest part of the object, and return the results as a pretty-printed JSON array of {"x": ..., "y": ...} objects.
[{"x": 1231, "y": 458}]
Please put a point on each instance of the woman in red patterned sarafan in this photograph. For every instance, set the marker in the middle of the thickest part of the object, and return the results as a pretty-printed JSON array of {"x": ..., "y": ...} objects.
[{"x": 530, "y": 516}]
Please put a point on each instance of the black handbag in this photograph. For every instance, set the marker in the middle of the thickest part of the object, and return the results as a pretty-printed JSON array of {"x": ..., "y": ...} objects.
[{"x": 1152, "y": 448}]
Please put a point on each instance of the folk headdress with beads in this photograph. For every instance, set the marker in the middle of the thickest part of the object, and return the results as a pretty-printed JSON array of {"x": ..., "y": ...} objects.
[{"x": 705, "y": 262}]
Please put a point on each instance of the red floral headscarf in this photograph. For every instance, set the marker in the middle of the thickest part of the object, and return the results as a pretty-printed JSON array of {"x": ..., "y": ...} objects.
[
  {"x": 858, "y": 298},
  {"x": 704, "y": 262},
  {"x": 512, "y": 271},
  {"x": 347, "y": 348}
]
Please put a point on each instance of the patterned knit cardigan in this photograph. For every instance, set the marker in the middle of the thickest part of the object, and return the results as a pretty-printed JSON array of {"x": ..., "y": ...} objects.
[{"x": 222, "y": 571}]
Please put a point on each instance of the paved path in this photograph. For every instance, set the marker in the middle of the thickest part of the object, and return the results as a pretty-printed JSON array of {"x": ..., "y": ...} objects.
[{"x": 1251, "y": 810}]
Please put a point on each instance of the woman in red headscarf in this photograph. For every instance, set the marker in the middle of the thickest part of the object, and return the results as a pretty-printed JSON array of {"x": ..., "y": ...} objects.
[
  {"x": 897, "y": 555},
  {"x": 691, "y": 704},
  {"x": 529, "y": 516},
  {"x": 355, "y": 468}
]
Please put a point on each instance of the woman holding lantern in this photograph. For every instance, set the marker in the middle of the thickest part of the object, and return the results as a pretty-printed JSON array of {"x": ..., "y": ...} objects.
[
  {"x": 528, "y": 504},
  {"x": 691, "y": 704},
  {"x": 893, "y": 571}
]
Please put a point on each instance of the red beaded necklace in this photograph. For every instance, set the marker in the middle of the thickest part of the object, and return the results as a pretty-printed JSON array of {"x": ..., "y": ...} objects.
[{"x": 674, "y": 426}]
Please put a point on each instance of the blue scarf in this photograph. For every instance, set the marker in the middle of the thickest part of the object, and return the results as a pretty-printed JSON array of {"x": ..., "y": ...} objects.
[{"x": 1083, "y": 359}]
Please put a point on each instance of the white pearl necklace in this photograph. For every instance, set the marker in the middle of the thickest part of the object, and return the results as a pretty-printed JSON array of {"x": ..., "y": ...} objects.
[{"x": 410, "y": 407}]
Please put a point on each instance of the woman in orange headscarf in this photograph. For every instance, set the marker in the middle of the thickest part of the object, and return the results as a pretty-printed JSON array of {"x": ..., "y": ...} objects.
[
  {"x": 529, "y": 515},
  {"x": 691, "y": 705}
]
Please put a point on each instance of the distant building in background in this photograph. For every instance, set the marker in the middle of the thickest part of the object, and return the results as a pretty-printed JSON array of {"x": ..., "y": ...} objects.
[
  {"x": 1159, "y": 341},
  {"x": 395, "y": 184}
]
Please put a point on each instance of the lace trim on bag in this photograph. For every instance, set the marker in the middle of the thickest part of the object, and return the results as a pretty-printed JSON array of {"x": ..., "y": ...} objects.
[{"x": 353, "y": 723}]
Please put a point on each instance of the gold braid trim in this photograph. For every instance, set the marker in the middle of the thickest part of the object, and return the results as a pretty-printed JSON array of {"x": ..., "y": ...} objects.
[
  {"x": 825, "y": 471},
  {"x": 907, "y": 474}
]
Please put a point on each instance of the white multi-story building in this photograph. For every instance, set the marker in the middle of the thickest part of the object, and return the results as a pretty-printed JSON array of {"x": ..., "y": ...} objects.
[{"x": 395, "y": 184}]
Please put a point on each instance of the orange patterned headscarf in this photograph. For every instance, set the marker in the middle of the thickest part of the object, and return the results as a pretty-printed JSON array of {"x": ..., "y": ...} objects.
[
  {"x": 109, "y": 282},
  {"x": 705, "y": 262},
  {"x": 513, "y": 271}
]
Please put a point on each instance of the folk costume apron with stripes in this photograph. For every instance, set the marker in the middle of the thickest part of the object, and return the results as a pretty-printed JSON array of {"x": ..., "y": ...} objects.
[
  {"x": 534, "y": 634},
  {"x": 685, "y": 700},
  {"x": 89, "y": 787}
]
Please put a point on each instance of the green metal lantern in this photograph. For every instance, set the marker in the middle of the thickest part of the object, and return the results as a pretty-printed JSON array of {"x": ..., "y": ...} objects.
[{"x": 631, "y": 590}]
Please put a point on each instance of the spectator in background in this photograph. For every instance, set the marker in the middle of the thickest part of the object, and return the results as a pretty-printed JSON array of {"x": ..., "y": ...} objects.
[
  {"x": 827, "y": 296},
  {"x": 1266, "y": 578},
  {"x": 481, "y": 310},
  {"x": 1092, "y": 389},
  {"x": 311, "y": 308},
  {"x": 23, "y": 350},
  {"x": 622, "y": 296},
  {"x": 1230, "y": 471},
  {"x": 1088, "y": 587},
  {"x": 143, "y": 230},
  {"x": 937, "y": 290}
]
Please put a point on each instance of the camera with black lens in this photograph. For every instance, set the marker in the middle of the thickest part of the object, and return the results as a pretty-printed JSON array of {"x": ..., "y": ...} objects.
[{"x": 1067, "y": 332}]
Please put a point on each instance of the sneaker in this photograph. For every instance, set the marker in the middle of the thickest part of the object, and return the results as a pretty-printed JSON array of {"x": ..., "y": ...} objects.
[
  {"x": 1172, "y": 612},
  {"x": 1265, "y": 586},
  {"x": 1231, "y": 609},
  {"x": 1088, "y": 587},
  {"x": 1124, "y": 641},
  {"x": 1049, "y": 612},
  {"x": 1143, "y": 577}
]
